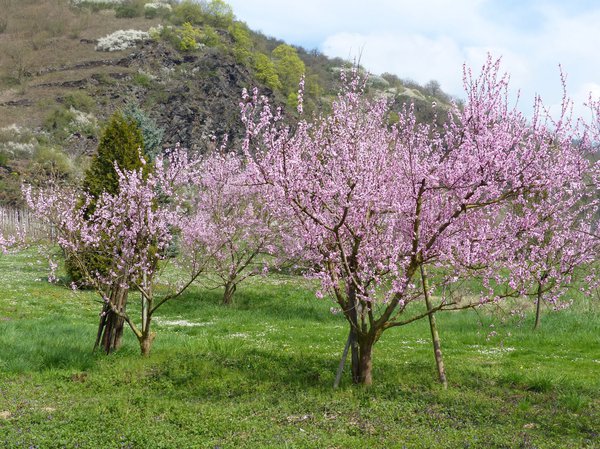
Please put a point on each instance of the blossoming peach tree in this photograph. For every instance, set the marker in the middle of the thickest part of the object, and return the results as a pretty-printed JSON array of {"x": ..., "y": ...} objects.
[
  {"x": 376, "y": 208},
  {"x": 231, "y": 230},
  {"x": 133, "y": 229}
]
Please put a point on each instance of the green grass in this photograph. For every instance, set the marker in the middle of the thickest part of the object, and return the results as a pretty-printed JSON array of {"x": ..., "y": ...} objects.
[{"x": 259, "y": 374}]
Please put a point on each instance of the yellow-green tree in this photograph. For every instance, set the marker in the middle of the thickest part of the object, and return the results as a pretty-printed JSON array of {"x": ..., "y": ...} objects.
[
  {"x": 290, "y": 69},
  {"x": 266, "y": 72}
]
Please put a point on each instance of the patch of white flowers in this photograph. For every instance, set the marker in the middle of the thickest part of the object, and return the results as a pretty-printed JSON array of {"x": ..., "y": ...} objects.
[
  {"x": 96, "y": 2},
  {"x": 158, "y": 5},
  {"x": 17, "y": 140},
  {"x": 121, "y": 40},
  {"x": 81, "y": 120}
]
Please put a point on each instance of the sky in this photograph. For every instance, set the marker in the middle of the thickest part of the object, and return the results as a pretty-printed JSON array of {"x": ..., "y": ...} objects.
[{"x": 425, "y": 40}]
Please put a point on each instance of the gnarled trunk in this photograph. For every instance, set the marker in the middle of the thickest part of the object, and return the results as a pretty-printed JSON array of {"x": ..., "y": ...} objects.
[
  {"x": 110, "y": 328},
  {"x": 230, "y": 288},
  {"x": 365, "y": 364},
  {"x": 146, "y": 342}
]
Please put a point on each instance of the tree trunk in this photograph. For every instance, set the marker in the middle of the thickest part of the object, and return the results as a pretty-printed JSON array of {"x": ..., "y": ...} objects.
[
  {"x": 365, "y": 363},
  {"x": 538, "y": 307},
  {"x": 230, "y": 288},
  {"x": 146, "y": 343},
  {"x": 110, "y": 328},
  {"x": 437, "y": 346}
]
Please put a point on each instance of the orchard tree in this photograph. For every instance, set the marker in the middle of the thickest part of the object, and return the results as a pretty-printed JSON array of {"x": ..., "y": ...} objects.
[
  {"x": 232, "y": 229},
  {"x": 131, "y": 228},
  {"x": 374, "y": 206},
  {"x": 121, "y": 147}
]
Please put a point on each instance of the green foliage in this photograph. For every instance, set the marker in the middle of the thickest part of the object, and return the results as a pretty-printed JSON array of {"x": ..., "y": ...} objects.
[
  {"x": 79, "y": 100},
  {"x": 122, "y": 143},
  {"x": 152, "y": 134},
  {"x": 266, "y": 72},
  {"x": 130, "y": 9},
  {"x": 290, "y": 68},
  {"x": 242, "y": 42},
  {"x": 219, "y": 13},
  {"x": 210, "y": 37},
  {"x": 57, "y": 122},
  {"x": 151, "y": 13},
  {"x": 188, "y": 11},
  {"x": 188, "y": 37},
  {"x": 52, "y": 162},
  {"x": 142, "y": 80}
]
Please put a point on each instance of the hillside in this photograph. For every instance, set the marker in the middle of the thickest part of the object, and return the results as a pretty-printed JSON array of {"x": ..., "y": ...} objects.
[{"x": 58, "y": 84}]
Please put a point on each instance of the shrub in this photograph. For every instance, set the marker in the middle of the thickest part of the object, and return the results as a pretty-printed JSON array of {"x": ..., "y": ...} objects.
[
  {"x": 157, "y": 8},
  {"x": 152, "y": 134},
  {"x": 121, "y": 40},
  {"x": 219, "y": 13},
  {"x": 189, "y": 35},
  {"x": 57, "y": 122},
  {"x": 79, "y": 100},
  {"x": 188, "y": 11},
  {"x": 129, "y": 10},
  {"x": 290, "y": 68},
  {"x": 142, "y": 79},
  {"x": 53, "y": 162},
  {"x": 210, "y": 37},
  {"x": 265, "y": 71},
  {"x": 242, "y": 48}
]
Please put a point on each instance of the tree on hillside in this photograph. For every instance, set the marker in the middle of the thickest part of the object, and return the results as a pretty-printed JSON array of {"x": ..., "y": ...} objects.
[
  {"x": 374, "y": 205},
  {"x": 290, "y": 70}
]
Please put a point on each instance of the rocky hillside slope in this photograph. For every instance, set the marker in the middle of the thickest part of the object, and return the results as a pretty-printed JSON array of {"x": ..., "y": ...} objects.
[{"x": 185, "y": 74}]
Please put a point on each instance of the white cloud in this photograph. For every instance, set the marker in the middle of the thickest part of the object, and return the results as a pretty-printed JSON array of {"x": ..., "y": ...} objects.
[{"x": 431, "y": 39}]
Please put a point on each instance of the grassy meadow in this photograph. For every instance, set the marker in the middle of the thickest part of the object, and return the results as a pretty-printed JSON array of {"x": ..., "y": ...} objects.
[{"x": 259, "y": 374}]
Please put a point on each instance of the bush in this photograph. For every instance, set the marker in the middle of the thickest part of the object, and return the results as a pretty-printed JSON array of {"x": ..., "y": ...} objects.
[
  {"x": 189, "y": 35},
  {"x": 242, "y": 48},
  {"x": 188, "y": 11},
  {"x": 219, "y": 13},
  {"x": 142, "y": 79},
  {"x": 211, "y": 37},
  {"x": 156, "y": 9},
  {"x": 121, "y": 40},
  {"x": 79, "y": 100},
  {"x": 152, "y": 134},
  {"x": 53, "y": 162},
  {"x": 57, "y": 122},
  {"x": 265, "y": 71},
  {"x": 129, "y": 10}
]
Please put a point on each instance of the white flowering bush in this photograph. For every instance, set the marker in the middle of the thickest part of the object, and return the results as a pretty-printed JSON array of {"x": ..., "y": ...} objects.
[
  {"x": 17, "y": 141},
  {"x": 121, "y": 40},
  {"x": 158, "y": 5},
  {"x": 82, "y": 122},
  {"x": 107, "y": 3}
]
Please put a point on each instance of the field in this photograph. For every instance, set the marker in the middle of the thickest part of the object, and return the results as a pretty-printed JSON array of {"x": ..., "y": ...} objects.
[{"x": 260, "y": 373}]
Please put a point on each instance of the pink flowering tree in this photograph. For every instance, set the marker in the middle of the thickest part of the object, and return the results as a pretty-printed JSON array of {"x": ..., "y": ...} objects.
[
  {"x": 232, "y": 230},
  {"x": 133, "y": 229},
  {"x": 6, "y": 242},
  {"x": 375, "y": 206}
]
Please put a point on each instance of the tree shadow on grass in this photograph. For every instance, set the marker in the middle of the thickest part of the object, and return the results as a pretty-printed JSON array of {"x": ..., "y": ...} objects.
[
  {"x": 45, "y": 344},
  {"x": 263, "y": 301}
]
